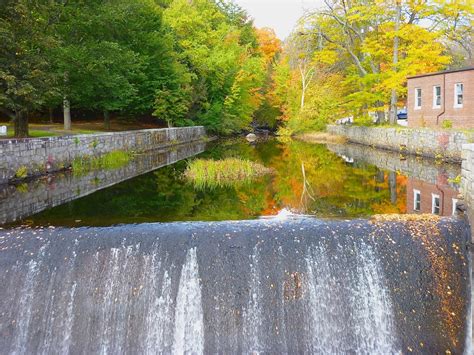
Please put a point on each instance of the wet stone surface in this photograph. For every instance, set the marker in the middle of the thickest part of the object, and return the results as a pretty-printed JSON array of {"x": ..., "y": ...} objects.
[{"x": 385, "y": 285}]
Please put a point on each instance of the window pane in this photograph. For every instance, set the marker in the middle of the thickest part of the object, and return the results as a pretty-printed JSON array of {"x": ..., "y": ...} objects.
[
  {"x": 437, "y": 96},
  {"x": 418, "y": 97},
  {"x": 459, "y": 94}
]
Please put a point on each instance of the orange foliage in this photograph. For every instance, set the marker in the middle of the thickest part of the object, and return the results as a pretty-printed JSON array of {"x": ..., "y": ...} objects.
[{"x": 269, "y": 44}]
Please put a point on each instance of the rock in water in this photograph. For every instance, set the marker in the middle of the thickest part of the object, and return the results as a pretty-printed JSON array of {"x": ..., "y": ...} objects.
[{"x": 251, "y": 137}]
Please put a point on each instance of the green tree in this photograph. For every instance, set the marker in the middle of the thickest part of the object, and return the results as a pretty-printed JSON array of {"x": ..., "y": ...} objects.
[
  {"x": 218, "y": 45},
  {"x": 26, "y": 79}
]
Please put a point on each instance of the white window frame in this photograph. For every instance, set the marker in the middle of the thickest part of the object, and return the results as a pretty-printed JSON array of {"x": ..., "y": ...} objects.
[
  {"x": 418, "y": 97},
  {"x": 415, "y": 194},
  {"x": 456, "y": 104},
  {"x": 433, "y": 206},
  {"x": 455, "y": 203},
  {"x": 435, "y": 96}
]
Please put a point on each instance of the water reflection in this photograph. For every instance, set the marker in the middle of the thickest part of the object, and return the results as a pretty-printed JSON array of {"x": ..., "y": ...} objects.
[
  {"x": 430, "y": 186},
  {"x": 336, "y": 181}
]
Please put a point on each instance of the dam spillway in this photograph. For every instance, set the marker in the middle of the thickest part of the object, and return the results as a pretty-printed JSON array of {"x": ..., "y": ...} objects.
[{"x": 298, "y": 285}]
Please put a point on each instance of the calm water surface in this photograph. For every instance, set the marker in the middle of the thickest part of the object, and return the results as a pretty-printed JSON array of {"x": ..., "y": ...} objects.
[{"x": 338, "y": 182}]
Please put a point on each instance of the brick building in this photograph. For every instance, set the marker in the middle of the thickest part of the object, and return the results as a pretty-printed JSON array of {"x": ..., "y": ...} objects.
[{"x": 436, "y": 97}]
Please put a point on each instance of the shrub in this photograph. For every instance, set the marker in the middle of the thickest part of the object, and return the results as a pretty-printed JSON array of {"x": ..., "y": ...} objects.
[
  {"x": 364, "y": 120},
  {"x": 447, "y": 124}
]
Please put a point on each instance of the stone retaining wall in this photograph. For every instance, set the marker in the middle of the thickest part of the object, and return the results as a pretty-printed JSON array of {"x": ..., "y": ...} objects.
[
  {"x": 17, "y": 202},
  {"x": 467, "y": 182},
  {"x": 44, "y": 155},
  {"x": 468, "y": 171},
  {"x": 423, "y": 142}
]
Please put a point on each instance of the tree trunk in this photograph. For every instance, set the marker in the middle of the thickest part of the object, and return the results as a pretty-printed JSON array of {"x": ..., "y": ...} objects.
[
  {"x": 302, "y": 98},
  {"x": 21, "y": 124},
  {"x": 106, "y": 119},
  {"x": 67, "y": 114},
  {"x": 50, "y": 112},
  {"x": 380, "y": 115},
  {"x": 396, "y": 40},
  {"x": 303, "y": 88}
]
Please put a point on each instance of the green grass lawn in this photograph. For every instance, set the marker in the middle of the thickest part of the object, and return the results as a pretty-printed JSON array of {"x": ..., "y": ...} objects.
[{"x": 33, "y": 133}]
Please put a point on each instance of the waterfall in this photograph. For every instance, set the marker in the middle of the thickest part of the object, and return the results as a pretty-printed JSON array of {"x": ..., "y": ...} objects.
[
  {"x": 350, "y": 309},
  {"x": 253, "y": 332},
  {"x": 26, "y": 303},
  {"x": 158, "y": 338},
  {"x": 374, "y": 311},
  {"x": 290, "y": 286},
  {"x": 189, "y": 318}
]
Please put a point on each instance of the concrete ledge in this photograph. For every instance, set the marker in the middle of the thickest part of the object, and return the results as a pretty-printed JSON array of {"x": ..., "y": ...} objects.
[
  {"x": 45, "y": 155},
  {"x": 446, "y": 145}
]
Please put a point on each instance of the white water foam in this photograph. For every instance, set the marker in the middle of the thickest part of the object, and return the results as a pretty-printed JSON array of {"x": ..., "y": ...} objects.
[
  {"x": 159, "y": 307},
  {"x": 26, "y": 303},
  {"x": 352, "y": 318},
  {"x": 189, "y": 315},
  {"x": 252, "y": 315},
  {"x": 375, "y": 329}
]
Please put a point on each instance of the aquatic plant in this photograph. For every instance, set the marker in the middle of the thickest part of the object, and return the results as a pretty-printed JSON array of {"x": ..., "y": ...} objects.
[
  {"x": 222, "y": 173},
  {"x": 22, "y": 172},
  {"x": 112, "y": 160}
]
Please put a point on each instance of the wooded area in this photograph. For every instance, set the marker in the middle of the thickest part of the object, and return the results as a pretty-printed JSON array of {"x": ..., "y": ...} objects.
[
  {"x": 203, "y": 61},
  {"x": 198, "y": 62},
  {"x": 352, "y": 58}
]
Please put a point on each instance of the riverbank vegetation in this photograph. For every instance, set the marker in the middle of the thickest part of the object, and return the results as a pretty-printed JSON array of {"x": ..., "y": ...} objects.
[
  {"x": 223, "y": 173},
  {"x": 203, "y": 62},
  {"x": 352, "y": 59},
  {"x": 186, "y": 63}
]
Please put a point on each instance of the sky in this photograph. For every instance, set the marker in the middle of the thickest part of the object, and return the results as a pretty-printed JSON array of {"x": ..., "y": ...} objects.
[{"x": 281, "y": 15}]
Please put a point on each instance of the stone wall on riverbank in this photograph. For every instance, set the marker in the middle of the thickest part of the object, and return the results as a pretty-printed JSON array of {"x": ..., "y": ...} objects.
[
  {"x": 467, "y": 181},
  {"x": 445, "y": 145},
  {"x": 18, "y": 202},
  {"x": 43, "y": 155},
  {"x": 468, "y": 171}
]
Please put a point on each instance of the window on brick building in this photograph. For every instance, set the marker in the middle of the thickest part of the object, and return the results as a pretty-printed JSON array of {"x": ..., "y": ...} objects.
[
  {"x": 416, "y": 200},
  {"x": 435, "y": 204},
  {"x": 458, "y": 94},
  {"x": 417, "y": 98},
  {"x": 436, "y": 96}
]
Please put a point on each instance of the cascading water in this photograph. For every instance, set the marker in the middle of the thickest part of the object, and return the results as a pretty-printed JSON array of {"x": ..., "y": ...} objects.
[
  {"x": 281, "y": 286},
  {"x": 189, "y": 317}
]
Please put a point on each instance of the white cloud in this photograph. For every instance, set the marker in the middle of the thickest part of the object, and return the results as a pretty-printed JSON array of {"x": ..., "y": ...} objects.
[{"x": 281, "y": 15}]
